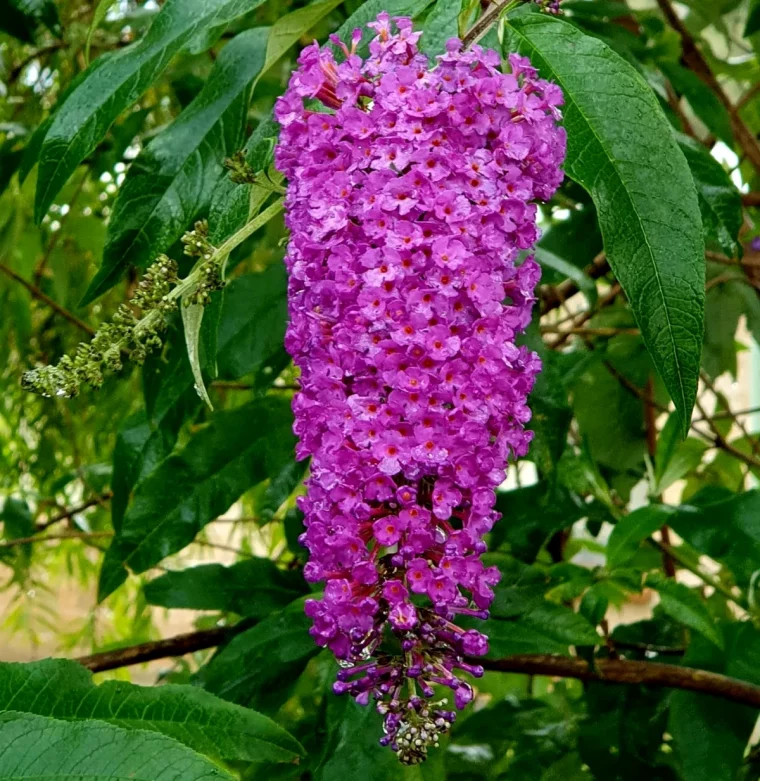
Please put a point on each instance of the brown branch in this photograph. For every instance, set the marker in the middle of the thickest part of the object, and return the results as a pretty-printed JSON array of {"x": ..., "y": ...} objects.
[
  {"x": 716, "y": 257},
  {"x": 40, "y": 296},
  {"x": 16, "y": 72},
  {"x": 553, "y": 296},
  {"x": 623, "y": 671},
  {"x": 583, "y": 331},
  {"x": 49, "y": 537},
  {"x": 696, "y": 61},
  {"x": 748, "y": 96},
  {"x": 96, "y": 500},
  {"x": 751, "y": 199},
  {"x": 160, "y": 649},
  {"x": 605, "y": 670},
  {"x": 751, "y": 438},
  {"x": 730, "y": 414}
]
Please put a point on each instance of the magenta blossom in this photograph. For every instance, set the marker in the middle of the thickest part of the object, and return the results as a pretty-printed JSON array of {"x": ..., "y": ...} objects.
[{"x": 411, "y": 195}]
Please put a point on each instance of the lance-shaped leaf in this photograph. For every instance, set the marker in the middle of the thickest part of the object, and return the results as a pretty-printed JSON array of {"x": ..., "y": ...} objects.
[
  {"x": 115, "y": 81},
  {"x": 254, "y": 587},
  {"x": 64, "y": 690},
  {"x": 171, "y": 182},
  {"x": 35, "y": 747},
  {"x": 621, "y": 149},
  {"x": 237, "y": 450},
  {"x": 247, "y": 671}
]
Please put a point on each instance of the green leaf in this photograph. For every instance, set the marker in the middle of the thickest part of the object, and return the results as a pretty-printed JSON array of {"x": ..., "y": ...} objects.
[
  {"x": 593, "y": 606},
  {"x": 719, "y": 201},
  {"x": 710, "y": 735},
  {"x": 685, "y": 606},
  {"x": 255, "y": 588},
  {"x": 441, "y": 24},
  {"x": 702, "y": 100},
  {"x": 352, "y": 750},
  {"x": 18, "y": 523},
  {"x": 725, "y": 527},
  {"x": 551, "y": 416},
  {"x": 675, "y": 458},
  {"x": 262, "y": 658},
  {"x": 233, "y": 204},
  {"x": 546, "y": 628},
  {"x": 753, "y": 19},
  {"x": 252, "y": 326},
  {"x": 579, "y": 473},
  {"x": 192, "y": 319},
  {"x": 97, "y": 17},
  {"x": 621, "y": 149},
  {"x": 31, "y": 747},
  {"x": 251, "y": 317},
  {"x": 115, "y": 81},
  {"x": 141, "y": 445},
  {"x": 622, "y": 736},
  {"x": 237, "y": 450},
  {"x": 561, "y": 624},
  {"x": 531, "y": 515},
  {"x": 629, "y": 531},
  {"x": 64, "y": 690},
  {"x": 171, "y": 181}
]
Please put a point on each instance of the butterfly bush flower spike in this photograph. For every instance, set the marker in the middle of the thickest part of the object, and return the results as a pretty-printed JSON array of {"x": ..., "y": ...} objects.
[{"x": 411, "y": 196}]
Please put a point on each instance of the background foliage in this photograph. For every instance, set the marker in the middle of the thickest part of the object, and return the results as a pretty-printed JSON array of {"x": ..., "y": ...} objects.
[{"x": 115, "y": 121}]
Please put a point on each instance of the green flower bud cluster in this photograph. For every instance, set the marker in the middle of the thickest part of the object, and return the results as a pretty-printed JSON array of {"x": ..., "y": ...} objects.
[
  {"x": 241, "y": 172},
  {"x": 125, "y": 334},
  {"x": 156, "y": 296},
  {"x": 210, "y": 271}
]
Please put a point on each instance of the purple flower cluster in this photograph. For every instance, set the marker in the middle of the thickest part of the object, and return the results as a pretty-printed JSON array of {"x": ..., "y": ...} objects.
[{"x": 409, "y": 201}]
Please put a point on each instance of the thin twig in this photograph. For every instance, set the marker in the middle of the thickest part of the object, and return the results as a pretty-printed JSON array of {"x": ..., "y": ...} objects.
[
  {"x": 716, "y": 257},
  {"x": 49, "y": 537},
  {"x": 40, "y": 296},
  {"x": 753, "y": 443},
  {"x": 747, "y": 96},
  {"x": 53, "y": 47},
  {"x": 66, "y": 514},
  {"x": 582, "y": 331},
  {"x": 696, "y": 61},
  {"x": 483, "y": 25},
  {"x": 705, "y": 577}
]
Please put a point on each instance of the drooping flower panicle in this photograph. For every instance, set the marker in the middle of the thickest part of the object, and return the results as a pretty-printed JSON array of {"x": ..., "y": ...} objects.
[{"x": 410, "y": 198}]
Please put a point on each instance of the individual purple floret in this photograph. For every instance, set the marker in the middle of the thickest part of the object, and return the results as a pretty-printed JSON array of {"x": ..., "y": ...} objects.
[{"x": 411, "y": 194}]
